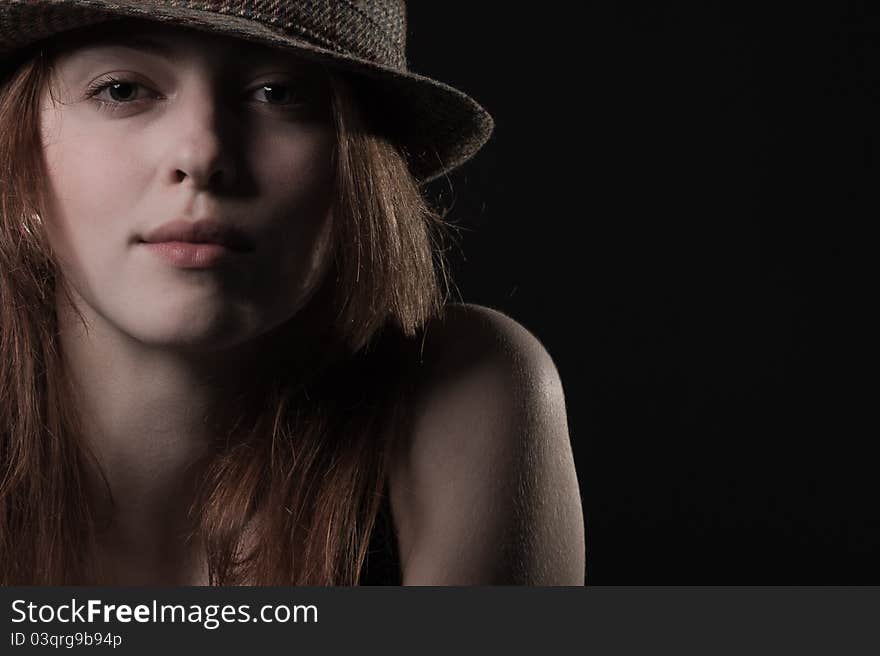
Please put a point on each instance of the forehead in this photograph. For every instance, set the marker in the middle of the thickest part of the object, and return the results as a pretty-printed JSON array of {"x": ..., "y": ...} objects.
[{"x": 163, "y": 40}]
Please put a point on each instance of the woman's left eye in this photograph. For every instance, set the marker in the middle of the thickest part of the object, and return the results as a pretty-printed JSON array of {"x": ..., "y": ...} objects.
[{"x": 285, "y": 94}]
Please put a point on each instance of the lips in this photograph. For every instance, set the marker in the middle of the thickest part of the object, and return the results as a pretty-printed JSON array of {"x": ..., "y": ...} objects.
[{"x": 205, "y": 231}]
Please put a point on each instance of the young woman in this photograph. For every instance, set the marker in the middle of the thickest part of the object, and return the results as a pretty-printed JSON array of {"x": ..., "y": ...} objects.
[{"x": 225, "y": 351}]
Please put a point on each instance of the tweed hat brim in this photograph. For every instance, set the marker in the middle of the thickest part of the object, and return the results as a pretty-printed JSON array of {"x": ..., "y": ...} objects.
[{"x": 436, "y": 126}]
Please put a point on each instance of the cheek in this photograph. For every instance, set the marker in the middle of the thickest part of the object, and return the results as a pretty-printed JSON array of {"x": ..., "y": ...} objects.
[
  {"x": 303, "y": 251},
  {"x": 89, "y": 182},
  {"x": 81, "y": 201},
  {"x": 301, "y": 184},
  {"x": 295, "y": 166},
  {"x": 309, "y": 258},
  {"x": 298, "y": 181}
]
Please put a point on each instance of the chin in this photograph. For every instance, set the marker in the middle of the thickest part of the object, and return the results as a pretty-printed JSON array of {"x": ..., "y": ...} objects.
[
  {"x": 205, "y": 331},
  {"x": 191, "y": 340}
]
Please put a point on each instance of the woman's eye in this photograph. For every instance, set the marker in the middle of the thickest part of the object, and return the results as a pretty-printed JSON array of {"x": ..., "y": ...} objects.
[
  {"x": 281, "y": 94},
  {"x": 122, "y": 92},
  {"x": 111, "y": 93},
  {"x": 118, "y": 92}
]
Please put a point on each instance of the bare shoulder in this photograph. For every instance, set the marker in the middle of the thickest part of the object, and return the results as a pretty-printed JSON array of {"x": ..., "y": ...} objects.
[
  {"x": 469, "y": 336},
  {"x": 485, "y": 490}
]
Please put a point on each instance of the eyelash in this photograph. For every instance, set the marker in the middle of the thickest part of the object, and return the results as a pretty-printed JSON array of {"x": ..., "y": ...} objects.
[{"x": 104, "y": 83}]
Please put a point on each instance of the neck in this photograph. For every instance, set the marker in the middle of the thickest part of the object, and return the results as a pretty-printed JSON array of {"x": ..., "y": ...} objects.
[
  {"x": 153, "y": 415},
  {"x": 150, "y": 415},
  {"x": 152, "y": 403}
]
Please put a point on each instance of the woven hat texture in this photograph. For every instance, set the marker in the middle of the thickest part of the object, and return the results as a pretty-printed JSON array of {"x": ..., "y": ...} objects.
[{"x": 437, "y": 127}]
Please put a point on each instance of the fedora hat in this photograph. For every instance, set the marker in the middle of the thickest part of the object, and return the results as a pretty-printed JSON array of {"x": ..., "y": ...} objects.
[{"x": 436, "y": 126}]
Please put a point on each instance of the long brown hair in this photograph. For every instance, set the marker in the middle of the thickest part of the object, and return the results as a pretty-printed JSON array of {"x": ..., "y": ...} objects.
[{"x": 290, "y": 494}]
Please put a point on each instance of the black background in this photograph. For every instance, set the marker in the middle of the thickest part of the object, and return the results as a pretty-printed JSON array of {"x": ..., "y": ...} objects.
[{"x": 677, "y": 202}]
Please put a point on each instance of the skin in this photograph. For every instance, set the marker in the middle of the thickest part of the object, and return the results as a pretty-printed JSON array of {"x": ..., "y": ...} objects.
[
  {"x": 483, "y": 490},
  {"x": 160, "y": 347}
]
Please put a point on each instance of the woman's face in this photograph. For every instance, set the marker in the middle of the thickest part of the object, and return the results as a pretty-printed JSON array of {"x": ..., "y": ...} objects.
[{"x": 196, "y": 128}]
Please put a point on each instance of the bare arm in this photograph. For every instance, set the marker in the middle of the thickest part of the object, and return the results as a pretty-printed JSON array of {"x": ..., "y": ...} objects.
[{"x": 487, "y": 492}]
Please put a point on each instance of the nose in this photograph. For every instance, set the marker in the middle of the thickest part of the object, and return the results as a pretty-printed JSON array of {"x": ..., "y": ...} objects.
[{"x": 200, "y": 151}]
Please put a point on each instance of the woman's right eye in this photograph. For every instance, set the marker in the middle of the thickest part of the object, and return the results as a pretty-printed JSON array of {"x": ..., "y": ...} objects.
[
  {"x": 115, "y": 87},
  {"x": 123, "y": 89}
]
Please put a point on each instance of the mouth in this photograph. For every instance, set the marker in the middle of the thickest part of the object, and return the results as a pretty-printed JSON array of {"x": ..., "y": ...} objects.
[
  {"x": 205, "y": 231},
  {"x": 187, "y": 255},
  {"x": 199, "y": 244}
]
